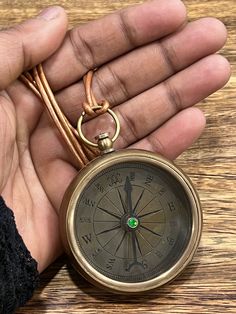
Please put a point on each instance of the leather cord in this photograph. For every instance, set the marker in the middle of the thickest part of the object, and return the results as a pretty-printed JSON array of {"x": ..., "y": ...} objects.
[
  {"x": 91, "y": 102},
  {"x": 37, "y": 82}
]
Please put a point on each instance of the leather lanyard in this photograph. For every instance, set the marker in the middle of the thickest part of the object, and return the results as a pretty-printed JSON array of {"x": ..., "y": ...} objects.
[{"x": 37, "y": 82}]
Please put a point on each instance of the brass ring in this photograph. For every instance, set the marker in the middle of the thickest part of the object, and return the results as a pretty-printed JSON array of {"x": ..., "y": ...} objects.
[{"x": 85, "y": 140}]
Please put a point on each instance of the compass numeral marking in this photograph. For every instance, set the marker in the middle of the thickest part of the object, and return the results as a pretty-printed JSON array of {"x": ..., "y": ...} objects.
[
  {"x": 132, "y": 176},
  {"x": 159, "y": 235},
  {"x": 171, "y": 206},
  {"x": 148, "y": 180},
  {"x": 170, "y": 240},
  {"x": 158, "y": 254},
  {"x": 109, "y": 213},
  {"x": 139, "y": 199},
  {"x": 96, "y": 252},
  {"x": 110, "y": 263},
  {"x": 85, "y": 219},
  {"x": 99, "y": 187},
  {"x": 144, "y": 263},
  {"x": 88, "y": 202},
  {"x": 108, "y": 230},
  {"x": 114, "y": 179},
  {"x": 87, "y": 238},
  {"x": 150, "y": 213},
  {"x": 162, "y": 191}
]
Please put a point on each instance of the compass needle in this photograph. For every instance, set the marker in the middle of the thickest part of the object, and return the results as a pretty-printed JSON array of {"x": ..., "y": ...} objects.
[{"x": 128, "y": 189}]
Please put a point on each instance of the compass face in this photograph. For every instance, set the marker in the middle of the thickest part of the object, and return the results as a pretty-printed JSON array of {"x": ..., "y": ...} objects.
[{"x": 132, "y": 221}]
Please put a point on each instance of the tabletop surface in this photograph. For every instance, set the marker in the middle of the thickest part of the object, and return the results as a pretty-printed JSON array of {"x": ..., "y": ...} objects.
[{"x": 209, "y": 283}]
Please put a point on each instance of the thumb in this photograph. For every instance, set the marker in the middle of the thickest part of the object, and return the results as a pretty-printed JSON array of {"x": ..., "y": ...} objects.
[{"x": 29, "y": 43}]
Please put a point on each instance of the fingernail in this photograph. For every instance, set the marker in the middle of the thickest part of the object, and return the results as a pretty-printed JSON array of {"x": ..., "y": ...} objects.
[{"x": 50, "y": 13}]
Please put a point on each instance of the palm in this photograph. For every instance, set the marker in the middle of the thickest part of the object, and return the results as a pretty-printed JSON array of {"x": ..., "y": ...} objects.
[
  {"x": 36, "y": 217},
  {"x": 160, "y": 97}
]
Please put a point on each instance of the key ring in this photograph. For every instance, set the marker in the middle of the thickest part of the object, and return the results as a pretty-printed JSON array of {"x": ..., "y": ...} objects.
[{"x": 80, "y": 121}]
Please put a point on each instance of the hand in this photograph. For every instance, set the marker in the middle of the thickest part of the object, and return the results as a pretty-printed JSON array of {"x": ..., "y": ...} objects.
[{"x": 153, "y": 67}]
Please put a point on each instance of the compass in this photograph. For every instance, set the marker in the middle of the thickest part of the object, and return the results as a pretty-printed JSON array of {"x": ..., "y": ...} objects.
[{"x": 131, "y": 221}]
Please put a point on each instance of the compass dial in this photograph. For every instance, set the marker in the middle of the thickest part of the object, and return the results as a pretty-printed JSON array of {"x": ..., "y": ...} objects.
[{"x": 131, "y": 221}]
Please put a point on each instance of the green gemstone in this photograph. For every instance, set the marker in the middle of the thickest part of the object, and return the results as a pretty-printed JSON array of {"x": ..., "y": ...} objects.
[{"x": 132, "y": 222}]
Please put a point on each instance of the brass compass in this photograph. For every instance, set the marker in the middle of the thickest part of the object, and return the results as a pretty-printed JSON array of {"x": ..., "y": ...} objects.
[{"x": 131, "y": 220}]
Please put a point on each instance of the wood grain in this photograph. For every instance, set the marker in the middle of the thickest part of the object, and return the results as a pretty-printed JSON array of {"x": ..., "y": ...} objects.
[{"x": 209, "y": 284}]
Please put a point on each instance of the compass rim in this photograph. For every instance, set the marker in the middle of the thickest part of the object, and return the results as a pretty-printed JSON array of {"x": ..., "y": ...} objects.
[{"x": 77, "y": 187}]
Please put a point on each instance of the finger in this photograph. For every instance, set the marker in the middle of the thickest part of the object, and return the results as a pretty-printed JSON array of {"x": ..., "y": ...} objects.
[
  {"x": 27, "y": 44},
  {"x": 22, "y": 47},
  {"x": 176, "y": 135},
  {"x": 91, "y": 45},
  {"x": 7, "y": 138},
  {"x": 145, "y": 67},
  {"x": 147, "y": 111}
]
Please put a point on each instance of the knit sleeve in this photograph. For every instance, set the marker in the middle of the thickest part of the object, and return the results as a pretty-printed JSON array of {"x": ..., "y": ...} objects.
[{"x": 18, "y": 270}]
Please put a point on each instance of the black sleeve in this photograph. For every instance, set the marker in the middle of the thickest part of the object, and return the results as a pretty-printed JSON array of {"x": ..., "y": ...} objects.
[{"x": 18, "y": 270}]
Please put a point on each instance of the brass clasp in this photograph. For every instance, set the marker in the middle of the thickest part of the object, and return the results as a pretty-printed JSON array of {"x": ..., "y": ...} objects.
[{"x": 104, "y": 142}]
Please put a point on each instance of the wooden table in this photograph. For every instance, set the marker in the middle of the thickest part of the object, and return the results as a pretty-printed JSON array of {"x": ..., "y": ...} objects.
[{"x": 209, "y": 284}]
